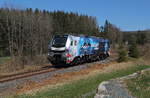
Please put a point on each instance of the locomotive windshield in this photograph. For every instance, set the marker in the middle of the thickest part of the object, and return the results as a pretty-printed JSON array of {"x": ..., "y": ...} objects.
[{"x": 59, "y": 41}]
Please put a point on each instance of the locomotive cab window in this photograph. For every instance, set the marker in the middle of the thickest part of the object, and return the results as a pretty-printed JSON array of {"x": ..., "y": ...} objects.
[
  {"x": 59, "y": 41},
  {"x": 71, "y": 43},
  {"x": 75, "y": 42}
]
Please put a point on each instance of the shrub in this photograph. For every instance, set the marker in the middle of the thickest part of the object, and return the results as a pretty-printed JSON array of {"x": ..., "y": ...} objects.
[
  {"x": 20, "y": 62},
  {"x": 134, "y": 51},
  {"x": 122, "y": 54}
]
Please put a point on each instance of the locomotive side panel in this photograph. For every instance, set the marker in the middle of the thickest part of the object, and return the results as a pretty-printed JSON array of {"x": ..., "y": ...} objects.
[{"x": 71, "y": 49}]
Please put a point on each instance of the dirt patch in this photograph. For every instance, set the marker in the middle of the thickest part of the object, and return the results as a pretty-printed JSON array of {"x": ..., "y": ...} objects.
[{"x": 57, "y": 80}]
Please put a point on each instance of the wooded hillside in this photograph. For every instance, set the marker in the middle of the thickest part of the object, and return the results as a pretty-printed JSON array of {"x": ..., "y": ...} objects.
[{"x": 27, "y": 32}]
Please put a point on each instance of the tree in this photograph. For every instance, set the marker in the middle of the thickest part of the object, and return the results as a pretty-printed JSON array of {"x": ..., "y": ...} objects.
[
  {"x": 112, "y": 33},
  {"x": 133, "y": 49},
  {"x": 27, "y": 32},
  {"x": 122, "y": 54},
  {"x": 141, "y": 38}
]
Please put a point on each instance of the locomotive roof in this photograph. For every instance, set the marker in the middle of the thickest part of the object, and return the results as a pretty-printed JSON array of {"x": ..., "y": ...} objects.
[{"x": 81, "y": 35}]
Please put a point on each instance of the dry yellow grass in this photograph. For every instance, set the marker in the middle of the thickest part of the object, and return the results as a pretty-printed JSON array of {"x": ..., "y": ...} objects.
[
  {"x": 19, "y": 64},
  {"x": 27, "y": 68}
]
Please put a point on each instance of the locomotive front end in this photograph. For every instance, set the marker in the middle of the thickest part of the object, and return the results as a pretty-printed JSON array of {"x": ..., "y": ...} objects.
[{"x": 57, "y": 50}]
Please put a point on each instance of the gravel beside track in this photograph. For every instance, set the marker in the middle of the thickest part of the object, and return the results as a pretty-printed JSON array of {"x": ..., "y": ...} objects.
[{"x": 6, "y": 86}]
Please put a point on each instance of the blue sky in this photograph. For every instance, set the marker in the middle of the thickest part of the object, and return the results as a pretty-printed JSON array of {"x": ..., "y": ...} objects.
[{"x": 128, "y": 15}]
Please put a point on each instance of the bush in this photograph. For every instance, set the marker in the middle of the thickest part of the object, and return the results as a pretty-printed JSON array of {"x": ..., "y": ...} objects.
[
  {"x": 20, "y": 62},
  {"x": 133, "y": 51},
  {"x": 11, "y": 65},
  {"x": 39, "y": 60},
  {"x": 122, "y": 54}
]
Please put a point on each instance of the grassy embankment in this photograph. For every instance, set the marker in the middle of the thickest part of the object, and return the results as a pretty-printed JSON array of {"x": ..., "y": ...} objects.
[
  {"x": 140, "y": 86},
  {"x": 9, "y": 65},
  {"x": 4, "y": 59},
  {"x": 80, "y": 87}
]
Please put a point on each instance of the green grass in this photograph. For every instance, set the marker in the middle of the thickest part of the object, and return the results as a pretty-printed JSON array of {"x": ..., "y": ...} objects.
[
  {"x": 77, "y": 88},
  {"x": 140, "y": 86},
  {"x": 4, "y": 59}
]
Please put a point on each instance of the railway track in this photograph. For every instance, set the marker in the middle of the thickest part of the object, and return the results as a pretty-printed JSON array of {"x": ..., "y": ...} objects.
[
  {"x": 23, "y": 75},
  {"x": 12, "y": 81}
]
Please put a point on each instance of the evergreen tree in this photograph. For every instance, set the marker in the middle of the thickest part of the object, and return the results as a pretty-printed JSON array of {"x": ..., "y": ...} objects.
[
  {"x": 141, "y": 38},
  {"x": 27, "y": 32},
  {"x": 122, "y": 54},
  {"x": 133, "y": 49},
  {"x": 112, "y": 33}
]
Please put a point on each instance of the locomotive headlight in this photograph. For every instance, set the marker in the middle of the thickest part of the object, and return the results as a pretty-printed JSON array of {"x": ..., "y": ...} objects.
[
  {"x": 51, "y": 54},
  {"x": 64, "y": 54}
]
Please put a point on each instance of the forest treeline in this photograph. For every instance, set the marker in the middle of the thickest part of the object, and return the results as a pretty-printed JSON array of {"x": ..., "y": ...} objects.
[{"x": 27, "y": 32}]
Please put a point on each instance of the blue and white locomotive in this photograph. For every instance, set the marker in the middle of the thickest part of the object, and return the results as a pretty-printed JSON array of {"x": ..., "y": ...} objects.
[{"x": 70, "y": 49}]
